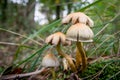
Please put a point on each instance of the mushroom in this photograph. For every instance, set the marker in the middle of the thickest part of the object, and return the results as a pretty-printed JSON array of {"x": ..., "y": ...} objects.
[
  {"x": 49, "y": 60},
  {"x": 56, "y": 39},
  {"x": 66, "y": 65},
  {"x": 77, "y": 17},
  {"x": 79, "y": 33}
]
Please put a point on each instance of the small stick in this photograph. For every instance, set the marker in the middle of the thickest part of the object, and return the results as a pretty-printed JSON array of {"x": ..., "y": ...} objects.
[{"x": 22, "y": 75}]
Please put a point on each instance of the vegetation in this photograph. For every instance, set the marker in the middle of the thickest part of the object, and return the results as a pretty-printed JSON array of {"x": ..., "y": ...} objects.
[{"x": 22, "y": 40}]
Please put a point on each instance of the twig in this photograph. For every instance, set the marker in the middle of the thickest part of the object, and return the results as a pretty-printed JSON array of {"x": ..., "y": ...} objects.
[
  {"x": 41, "y": 77},
  {"x": 22, "y": 75},
  {"x": 46, "y": 75}
]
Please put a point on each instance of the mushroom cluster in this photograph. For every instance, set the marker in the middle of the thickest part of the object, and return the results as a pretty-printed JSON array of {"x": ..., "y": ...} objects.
[
  {"x": 78, "y": 32},
  {"x": 59, "y": 38}
]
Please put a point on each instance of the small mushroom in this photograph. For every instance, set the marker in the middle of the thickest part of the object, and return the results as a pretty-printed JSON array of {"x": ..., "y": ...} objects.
[
  {"x": 77, "y": 17},
  {"x": 80, "y": 33},
  {"x": 66, "y": 65},
  {"x": 57, "y": 39},
  {"x": 51, "y": 61}
]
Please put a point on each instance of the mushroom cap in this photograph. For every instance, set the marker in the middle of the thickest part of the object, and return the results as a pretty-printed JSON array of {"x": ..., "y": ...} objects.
[
  {"x": 50, "y": 60},
  {"x": 57, "y": 38},
  {"x": 78, "y": 17},
  {"x": 79, "y": 32}
]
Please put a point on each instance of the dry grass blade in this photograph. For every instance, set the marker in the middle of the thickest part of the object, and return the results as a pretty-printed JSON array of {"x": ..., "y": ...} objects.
[
  {"x": 103, "y": 42},
  {"x": 107, "y": 25},
  {"x": 9, "y": 43},
  {"x": 22, "y": 36}
]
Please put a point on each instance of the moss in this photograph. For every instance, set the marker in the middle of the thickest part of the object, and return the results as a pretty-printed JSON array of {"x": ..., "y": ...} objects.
[{"x": 102, "y": 71}]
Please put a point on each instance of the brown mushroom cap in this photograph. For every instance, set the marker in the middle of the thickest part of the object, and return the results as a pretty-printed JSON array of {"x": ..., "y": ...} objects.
[
  {"x": 56, "y": 38},
  {"x": 79, "y": 32},
  {"x": 78, "y": 17},
  {"x": 50, "y": 61}
]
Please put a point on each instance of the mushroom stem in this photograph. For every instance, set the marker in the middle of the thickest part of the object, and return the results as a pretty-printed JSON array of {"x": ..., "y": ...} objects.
[
  {"x": 78, "y": 58},
  {"x": 67, "y": 57},
  {"x": 53, "y": 74},
  {"x": 83, "y": 55}
]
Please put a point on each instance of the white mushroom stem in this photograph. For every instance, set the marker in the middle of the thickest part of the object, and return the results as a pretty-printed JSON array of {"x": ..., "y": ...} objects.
[
  {"x": 83, "y": 55},
  {"x": 67, "y": 57}
]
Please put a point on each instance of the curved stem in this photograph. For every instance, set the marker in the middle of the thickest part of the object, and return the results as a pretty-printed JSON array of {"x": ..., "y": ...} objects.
[
  {"x": 83, "y": 55},
  {"x": 67, "y": 57},
  {"x": 78, "y": 59}
]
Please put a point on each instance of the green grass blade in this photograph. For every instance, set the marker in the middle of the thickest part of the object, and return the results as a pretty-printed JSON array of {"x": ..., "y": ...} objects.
[
  {"x": 90, "y": 5},
  {"x": 27, "y": 59},
  {"x": 42, "y": 30},
  {"x": 19, "y": 49}
]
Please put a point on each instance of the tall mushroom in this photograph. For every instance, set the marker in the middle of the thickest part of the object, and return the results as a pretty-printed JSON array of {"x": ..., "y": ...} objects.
[
  {"x": 51, "y": 61},
  {"x": 57, "y": 39},
  {"x": 79, "y": 33},
  {"x": 77, "y": 17}
]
